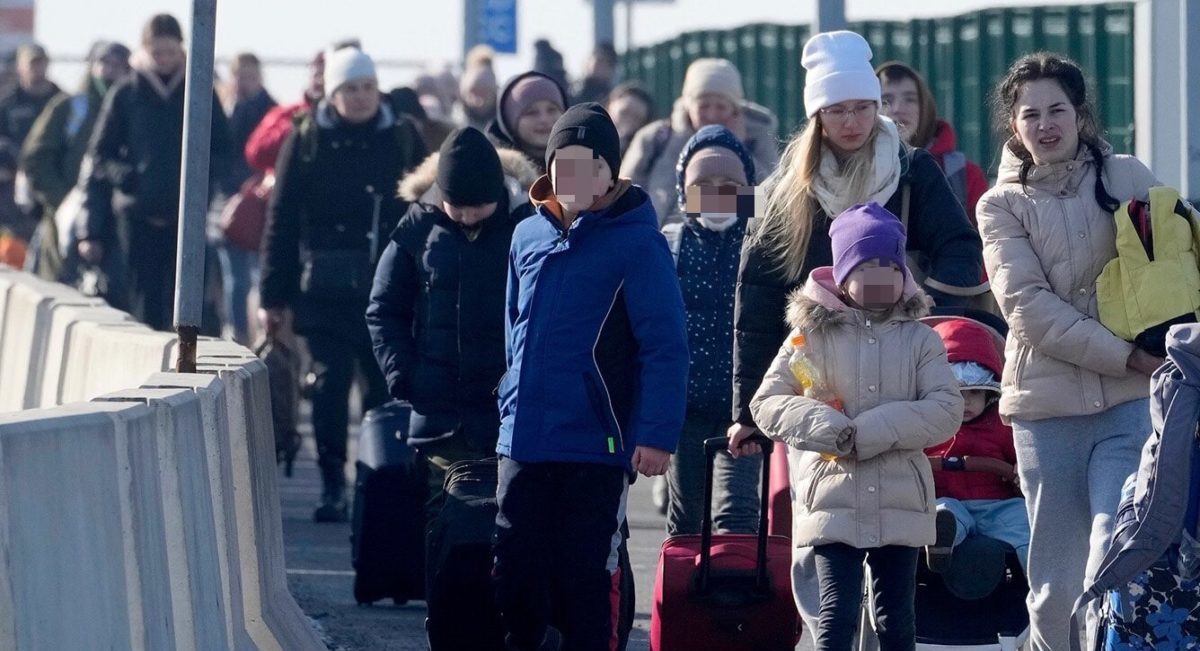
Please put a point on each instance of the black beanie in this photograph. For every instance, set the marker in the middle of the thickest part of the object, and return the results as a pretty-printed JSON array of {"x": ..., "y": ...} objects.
[
  {"x": 469, "y": 171},
  {"x": 587, "y": 125}
]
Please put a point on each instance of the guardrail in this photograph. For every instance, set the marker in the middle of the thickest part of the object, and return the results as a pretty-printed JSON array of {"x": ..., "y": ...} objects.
[{"x": 139, "y": 507}]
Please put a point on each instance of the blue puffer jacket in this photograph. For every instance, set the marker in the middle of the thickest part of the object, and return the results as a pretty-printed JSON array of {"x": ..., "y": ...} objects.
[{"x": 596, "y": 341}]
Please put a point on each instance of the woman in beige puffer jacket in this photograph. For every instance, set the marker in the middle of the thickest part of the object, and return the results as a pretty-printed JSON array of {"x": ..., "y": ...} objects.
[{"x": 1075, "y": 393}]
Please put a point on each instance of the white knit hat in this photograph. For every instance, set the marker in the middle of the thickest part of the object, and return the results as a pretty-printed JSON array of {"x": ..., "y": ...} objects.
[
  {"x": 345, "y": 65},
  {"x": 717, "y": 76},
  {"x": 839, "y": 69}
]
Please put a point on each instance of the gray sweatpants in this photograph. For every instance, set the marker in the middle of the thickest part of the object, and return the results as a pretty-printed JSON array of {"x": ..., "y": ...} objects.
[{"x": 1072, "y": 470}]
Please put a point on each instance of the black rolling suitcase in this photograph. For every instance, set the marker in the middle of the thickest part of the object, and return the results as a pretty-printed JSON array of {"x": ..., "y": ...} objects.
[
  {"x": 460, "y": 565},
  {"x": 388, "y": 523}
]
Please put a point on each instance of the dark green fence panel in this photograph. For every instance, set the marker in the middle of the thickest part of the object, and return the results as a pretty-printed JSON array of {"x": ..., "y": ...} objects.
[{"x": 963, "y": 57}]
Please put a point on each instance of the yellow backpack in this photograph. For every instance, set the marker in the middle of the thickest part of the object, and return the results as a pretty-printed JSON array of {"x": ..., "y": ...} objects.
[{"x": 1154, "y": 282}]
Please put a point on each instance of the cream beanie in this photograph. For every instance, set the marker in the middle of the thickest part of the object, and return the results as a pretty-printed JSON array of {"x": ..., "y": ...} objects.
[
  {"x": 346, "y": 65},
  {"x": 839, "y": 69},
  {"x": 717, "y": 76}
]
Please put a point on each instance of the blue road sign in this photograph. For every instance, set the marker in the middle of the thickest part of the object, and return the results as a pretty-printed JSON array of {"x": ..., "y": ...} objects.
[{"x": 498, "y": 25}]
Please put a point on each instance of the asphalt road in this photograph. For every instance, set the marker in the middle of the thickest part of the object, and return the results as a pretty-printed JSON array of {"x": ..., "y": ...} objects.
[{"x": 321, "y": 577}]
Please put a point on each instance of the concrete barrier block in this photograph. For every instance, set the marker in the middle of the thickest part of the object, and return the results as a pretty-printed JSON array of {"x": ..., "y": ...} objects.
[
  {"x": 272, "y": 615},
  {"x": 189, "y": 530},
  {"x": 26, "y": 325},
  {"x": 64, "y": 319},
  {"x": 82, "y": 565},
  {"x": 213, "y": 406},
  {"x": 111, "y": 357},
  {"x": 8, "y": 278}
]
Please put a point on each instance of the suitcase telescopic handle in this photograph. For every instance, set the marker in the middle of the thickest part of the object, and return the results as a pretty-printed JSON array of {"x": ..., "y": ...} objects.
[{"x": 712, "y": 447}]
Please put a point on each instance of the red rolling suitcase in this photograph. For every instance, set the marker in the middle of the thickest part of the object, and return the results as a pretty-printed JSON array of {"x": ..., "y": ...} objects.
[
  {"x": 779, "y": 516},
  {"x": 725, "y": 592}
]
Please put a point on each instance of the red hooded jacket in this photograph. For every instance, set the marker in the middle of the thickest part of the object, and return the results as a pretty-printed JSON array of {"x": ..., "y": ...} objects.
[
  {"x": 262, "y": 148},
  {"x": 985, "y": 436},
  {"x": 945, "y": 141}
]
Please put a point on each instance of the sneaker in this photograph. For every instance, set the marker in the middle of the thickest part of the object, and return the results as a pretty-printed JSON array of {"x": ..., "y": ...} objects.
[
  {"x": 939, "y": 555},
  {"x": 331, "y": 510},
  {"x": 552, "y": 642}
]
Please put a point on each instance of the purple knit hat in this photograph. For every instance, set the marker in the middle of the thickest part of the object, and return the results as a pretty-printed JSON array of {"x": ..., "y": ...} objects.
[{"x": 866, "y": 232}]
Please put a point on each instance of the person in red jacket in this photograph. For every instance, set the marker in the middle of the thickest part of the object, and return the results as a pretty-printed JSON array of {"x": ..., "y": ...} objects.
[
  {"x": 909, "y": 102},
  {"x": 975, "y": 473},
  {"x": 262, "y": 148}
]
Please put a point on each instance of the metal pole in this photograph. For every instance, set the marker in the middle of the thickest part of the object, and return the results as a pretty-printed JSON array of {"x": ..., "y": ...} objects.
[
  {"x": 602, "y": 20},
  {"x": 1189, "y": 24},
  {"x": 193, "y": 199},
  {"x": 831, "y": 16},
  {"x": 1157, "y": 58},
  {"x": 470, "y": 25}
]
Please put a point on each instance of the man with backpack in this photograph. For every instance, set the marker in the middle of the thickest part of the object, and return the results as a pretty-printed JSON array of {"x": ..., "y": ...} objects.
[{"x": 333, "y": 206}]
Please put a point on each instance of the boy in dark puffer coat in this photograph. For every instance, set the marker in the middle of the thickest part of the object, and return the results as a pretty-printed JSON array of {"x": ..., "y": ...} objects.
[
  {"x": 975, "y": 473},
  {"x": 437, "y": 307}
]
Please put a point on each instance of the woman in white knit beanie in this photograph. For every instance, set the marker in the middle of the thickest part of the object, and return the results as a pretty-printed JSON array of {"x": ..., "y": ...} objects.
[{"x": 845, "y": 155}]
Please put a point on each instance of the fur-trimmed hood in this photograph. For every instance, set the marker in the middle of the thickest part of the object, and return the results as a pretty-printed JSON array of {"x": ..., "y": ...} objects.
[
  {"x": 818, "y": 305},
  {"x": 420, "y": 184}
]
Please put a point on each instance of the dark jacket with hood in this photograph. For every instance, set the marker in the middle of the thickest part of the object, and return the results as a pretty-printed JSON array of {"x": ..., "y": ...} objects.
[
  {"x": 706, "y": 262},
  {"x": 937, "y": 228},
  {"x": 596, "y": 341},
  {"x": 332, "y": 207},
  {"x": 137, "y": 149},
  {"x": 243, "y": 120},
  {"x": 986, "y": 436},
  {"x": 437, "y": 320},
  {"x": 504, "y": 135}
]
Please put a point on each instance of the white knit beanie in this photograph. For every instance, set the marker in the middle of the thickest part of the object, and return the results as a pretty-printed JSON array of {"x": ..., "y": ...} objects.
[
  {"x": 346, "y": 65},
  {"x": 717, "y": 76},
  {"x": 839, "y": 69}
]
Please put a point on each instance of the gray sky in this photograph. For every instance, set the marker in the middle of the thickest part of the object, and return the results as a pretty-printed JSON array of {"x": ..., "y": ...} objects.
[{"x": 430, "y": 30}]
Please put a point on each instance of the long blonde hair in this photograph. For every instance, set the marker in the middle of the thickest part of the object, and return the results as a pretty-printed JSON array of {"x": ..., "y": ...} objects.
[{"x": 791, "y": 203}]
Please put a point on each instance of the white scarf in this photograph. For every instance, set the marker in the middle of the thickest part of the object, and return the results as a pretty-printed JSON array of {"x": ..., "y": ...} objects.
[{"x": 830, "y": 185}]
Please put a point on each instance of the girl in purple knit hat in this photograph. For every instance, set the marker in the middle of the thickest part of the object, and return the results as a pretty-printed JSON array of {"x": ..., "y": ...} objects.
[{"x": 857, "y": 393}]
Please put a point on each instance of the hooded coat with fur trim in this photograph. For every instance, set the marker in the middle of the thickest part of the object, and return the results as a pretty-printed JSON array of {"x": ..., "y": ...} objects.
[
  {"x": 519, "y": 175},
  {"x": 653, "y": 154},
  {"x": 860, "y": 476},
  {"x": 986, "y": 436}
]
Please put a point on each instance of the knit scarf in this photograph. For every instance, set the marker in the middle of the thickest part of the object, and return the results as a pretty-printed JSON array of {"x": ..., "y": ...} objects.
[{"x": 831, "y": 187}]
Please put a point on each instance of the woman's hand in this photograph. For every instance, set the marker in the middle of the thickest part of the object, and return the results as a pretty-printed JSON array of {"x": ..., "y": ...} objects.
[
  {"x": 738, "y": 433},
  {"x": 1143, "y": 362}
]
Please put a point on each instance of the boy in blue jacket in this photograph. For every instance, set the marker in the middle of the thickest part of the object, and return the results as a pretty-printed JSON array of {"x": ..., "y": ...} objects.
[{"x": 595, "y": 390}]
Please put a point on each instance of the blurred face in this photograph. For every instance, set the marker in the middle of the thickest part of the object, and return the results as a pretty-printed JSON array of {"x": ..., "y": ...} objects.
[
  {"x": 167, "y": 54},
  {"x": 357, "y": 101},
  {"x": 711, "y": 108},
  {"x": 579, "y": 178},
  {"x": 316, "y": 79},
  {"x": 1046, "y": 122},
  {"x": 480, "y": 97},
  {"x": 902, "y": 103},
  {"x": 469, "y": 216},
  {"x": 247, "y": 80},
  {"x": 599, "y": 67},
  {"x": 629, "y": 114},
  {"x": 110, "y": 69},
  {"x": 714, "y": 202},
  {"x": 875, "y": 285},
  {"x": 848, "y": 125},
  {"x": 32, "y": 72},
  {"x": 975, "y": 401},
  {"x": 536, "y": 122}
]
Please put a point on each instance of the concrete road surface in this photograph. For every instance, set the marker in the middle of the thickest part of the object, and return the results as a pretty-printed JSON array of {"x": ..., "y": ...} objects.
[{"x": 321, "y": 577}]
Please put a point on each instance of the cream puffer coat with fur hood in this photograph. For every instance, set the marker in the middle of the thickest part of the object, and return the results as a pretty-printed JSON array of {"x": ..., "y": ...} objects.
[{"x": 899, "y": 396}]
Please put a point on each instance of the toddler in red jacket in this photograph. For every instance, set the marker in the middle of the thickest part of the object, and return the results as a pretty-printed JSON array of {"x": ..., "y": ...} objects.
[{"x": 974, "y": 473}]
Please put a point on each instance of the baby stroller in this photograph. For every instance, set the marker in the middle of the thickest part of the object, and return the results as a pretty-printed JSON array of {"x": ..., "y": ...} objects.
[{"x": 979, "y": 604}]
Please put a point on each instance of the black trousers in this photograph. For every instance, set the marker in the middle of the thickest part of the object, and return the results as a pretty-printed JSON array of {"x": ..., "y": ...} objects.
[
  {"x": 558, "y": 532},
  {"x": 151, "y": 273},
  {"x": 336, "y": 357},
  {"x": 893, "y": 582}
]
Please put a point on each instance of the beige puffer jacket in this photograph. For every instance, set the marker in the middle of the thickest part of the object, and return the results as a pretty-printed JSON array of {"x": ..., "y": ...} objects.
[
  {"x": 654, "y": 153},
  {"x": 900, "y": 397},
  {"x": 1044, "y": 246}
]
